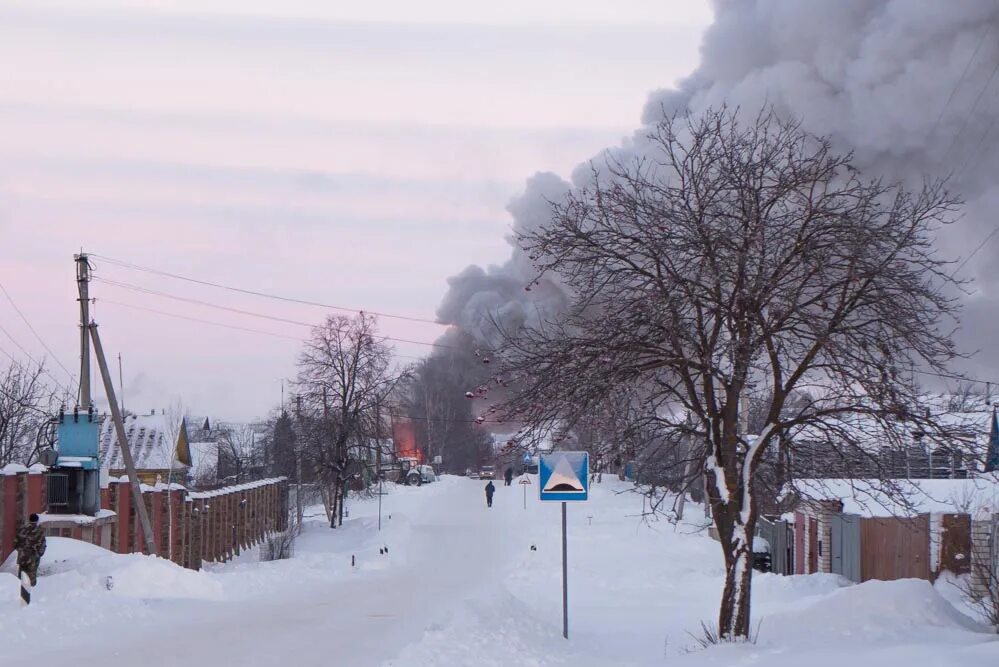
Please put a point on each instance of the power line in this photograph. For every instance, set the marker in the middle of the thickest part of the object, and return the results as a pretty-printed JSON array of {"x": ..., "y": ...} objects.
[
  {"x": 20, "y": 401},
  {"x": 951, "y": 376},
  {"x": 967, "y": 118},
  {"x": 266, "y": 295},
  {"x": 976, "y": 250},
  {"x": 223, "y": 325},
  {"x": 33, "y": 360},
  {"x": 241, "y": 311},
  {"x": 960, "y": 80},
  {"x": 52, "y": 354}
]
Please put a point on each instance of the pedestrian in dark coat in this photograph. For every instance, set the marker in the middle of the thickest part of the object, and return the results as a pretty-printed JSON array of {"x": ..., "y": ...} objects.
[
  {"x": 508, "y": 476},
  {"x": 490, "y": 490},
  {"x": 30, "y": 544}
]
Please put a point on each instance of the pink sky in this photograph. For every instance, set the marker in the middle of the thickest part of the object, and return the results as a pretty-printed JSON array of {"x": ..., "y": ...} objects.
[{"x": 351, "y": 154}]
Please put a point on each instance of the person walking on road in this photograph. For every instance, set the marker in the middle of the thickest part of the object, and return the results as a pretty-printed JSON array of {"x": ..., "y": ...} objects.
[
  {"x": 490, "y": 490},
  {"x": 508, "y": 475},
  {"x": 30, "y": 544}
]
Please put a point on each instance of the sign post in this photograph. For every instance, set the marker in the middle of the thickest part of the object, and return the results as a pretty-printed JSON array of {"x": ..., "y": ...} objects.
[
  {"x": 564, "y": 477},
  {"x": 525, "y": 483}
]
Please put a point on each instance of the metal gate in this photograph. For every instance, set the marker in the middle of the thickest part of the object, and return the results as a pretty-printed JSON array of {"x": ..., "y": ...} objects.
[
  {"x": 781, "y": 539},
  {"x": 844, "y": 549}
]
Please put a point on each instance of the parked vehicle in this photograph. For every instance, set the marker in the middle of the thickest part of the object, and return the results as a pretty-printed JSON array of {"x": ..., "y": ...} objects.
[
  {"x": 411, "y": 475},
  {"x": 531, "y": 466},
  {"x": 427, "y": 474},
  {"x": 487, "y": 472},
  {"x": 471, "y": 474}
]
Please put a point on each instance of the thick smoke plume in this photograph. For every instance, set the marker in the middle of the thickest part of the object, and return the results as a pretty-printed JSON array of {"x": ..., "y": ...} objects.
[{"x": 912, "y": 86}]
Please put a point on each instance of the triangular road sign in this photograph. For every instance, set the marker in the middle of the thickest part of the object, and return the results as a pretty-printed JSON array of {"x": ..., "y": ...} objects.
[{"x": 564, "y": 478}]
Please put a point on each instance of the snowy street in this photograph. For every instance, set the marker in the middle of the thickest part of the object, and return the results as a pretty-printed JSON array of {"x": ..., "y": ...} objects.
[{"x": 461, "y": 586}]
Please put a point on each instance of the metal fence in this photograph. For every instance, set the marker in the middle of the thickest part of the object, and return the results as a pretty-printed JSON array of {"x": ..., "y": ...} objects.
[{"x": 844, "y": 547}]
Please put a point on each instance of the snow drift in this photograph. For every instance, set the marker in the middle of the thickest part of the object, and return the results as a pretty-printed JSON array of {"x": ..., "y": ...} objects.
[{"x": 72, "y": 567}]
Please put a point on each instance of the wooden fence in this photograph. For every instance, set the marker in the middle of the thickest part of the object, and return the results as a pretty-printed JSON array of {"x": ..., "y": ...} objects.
[
  {"x": 895, "y": 548},
  {"x": 886, "y": 548}
]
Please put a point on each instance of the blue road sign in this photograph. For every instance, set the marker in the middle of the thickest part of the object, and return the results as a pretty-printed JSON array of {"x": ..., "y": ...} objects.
[{"x": 565, "y": 476}]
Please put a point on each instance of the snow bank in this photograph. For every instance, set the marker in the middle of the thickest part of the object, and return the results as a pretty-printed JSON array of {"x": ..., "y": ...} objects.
[
  {"x": 875, "y": 611},
  {"x": 73, "y": 567},
  {"x": 61, "y": 555}
]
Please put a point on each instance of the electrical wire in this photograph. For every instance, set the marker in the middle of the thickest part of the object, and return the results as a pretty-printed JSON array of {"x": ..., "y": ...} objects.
[
  {"x": 960, "y": 80},
  {"x": 960, "y": 378},
  {"x": 967, "y": 118},
  {"x": 41, "y": 365},
  {"x": 976, "y": 250},
  {"x": 266, "y": 295},
  {"x": 20, "y": 401},
  {"x": 241, "y": 311},
  {"x": 52, "y": 354},
  {"x": 223, "y": 325}
]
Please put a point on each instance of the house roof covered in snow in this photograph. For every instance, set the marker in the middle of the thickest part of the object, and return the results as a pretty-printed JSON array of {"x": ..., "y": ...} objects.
[
  {"x": 874, "y": 498},
  {"x": 155, "y": 441}
]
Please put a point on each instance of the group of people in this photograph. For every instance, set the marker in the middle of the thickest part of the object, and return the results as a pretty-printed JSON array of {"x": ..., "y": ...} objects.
[{"x": 491, "y": 488}]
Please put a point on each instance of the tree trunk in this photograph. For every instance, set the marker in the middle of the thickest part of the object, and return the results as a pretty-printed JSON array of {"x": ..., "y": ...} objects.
[
  {"x": 733, "y": 617},
  {"x": 334, "y": 504}
]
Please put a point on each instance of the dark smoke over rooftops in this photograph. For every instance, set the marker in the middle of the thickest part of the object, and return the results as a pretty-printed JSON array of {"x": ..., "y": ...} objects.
[{"x": 912, "y": 86}]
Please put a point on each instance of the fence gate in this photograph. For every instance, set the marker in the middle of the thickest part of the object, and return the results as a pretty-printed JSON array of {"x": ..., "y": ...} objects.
[
  {"x": 844, "y": 549},
  {"x": 781, "y": 540},
  {"x": 895, "y": 547}
]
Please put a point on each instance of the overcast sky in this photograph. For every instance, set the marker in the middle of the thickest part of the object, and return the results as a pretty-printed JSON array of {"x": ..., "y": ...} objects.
[{"x": 355, "y": 154}]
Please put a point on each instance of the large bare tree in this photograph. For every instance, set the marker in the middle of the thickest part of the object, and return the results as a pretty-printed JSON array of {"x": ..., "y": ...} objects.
[
  {"x": 343, "y": 377},
  {"x": 741, "y": 257}
]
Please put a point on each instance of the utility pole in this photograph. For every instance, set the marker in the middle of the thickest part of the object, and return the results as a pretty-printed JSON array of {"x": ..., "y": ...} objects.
[
  {"x": 298, "y": 458},
  {"x": 126, "y": 453},
  {"x": 83, "y": 286}
]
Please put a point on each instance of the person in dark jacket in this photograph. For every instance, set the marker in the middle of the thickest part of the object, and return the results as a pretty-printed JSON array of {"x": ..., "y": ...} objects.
[
  {"x": 490, "y": 490},
  {"x": 30, "y": 544},
  {"x": 508, "y": 476}
]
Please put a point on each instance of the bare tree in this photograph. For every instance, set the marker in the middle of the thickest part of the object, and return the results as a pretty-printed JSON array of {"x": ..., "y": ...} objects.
[
  {"x": 26, "y": 406},
  {"x": 239, "y": 452},
  {"x": 740, "y": 258},
  {"x": 343, "y": 375}
]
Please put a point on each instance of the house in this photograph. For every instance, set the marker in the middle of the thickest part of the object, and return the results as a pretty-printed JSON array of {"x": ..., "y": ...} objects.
[
  {"x": 158, "y": 443},
  {"x": 887, "y": 529}
]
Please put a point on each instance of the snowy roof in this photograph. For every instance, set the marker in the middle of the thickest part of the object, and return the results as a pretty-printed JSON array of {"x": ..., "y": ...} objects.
[
  {"x": 152, "y": 439},
  {"x": 873, "y": 498}
]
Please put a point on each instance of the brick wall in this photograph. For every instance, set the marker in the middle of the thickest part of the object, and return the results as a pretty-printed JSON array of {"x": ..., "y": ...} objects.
[
  {"x": 193, "y": 527},
  {"x": 188, "y": 527}
]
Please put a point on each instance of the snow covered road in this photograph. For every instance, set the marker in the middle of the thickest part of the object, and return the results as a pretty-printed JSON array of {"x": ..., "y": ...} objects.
[
  {"x": 461, "y": 586},
  {"x": 441, "y": 550}
]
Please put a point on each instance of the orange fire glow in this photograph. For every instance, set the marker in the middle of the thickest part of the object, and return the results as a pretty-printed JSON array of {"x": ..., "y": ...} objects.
[{"x": 404, "y": 437}]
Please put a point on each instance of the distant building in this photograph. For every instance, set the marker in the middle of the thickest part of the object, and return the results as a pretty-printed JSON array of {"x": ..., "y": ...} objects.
[{"x": 159, "y": 445}]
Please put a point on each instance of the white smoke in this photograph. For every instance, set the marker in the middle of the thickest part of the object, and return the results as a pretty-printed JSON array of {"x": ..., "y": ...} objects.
[{"x": 910, "y": 85}]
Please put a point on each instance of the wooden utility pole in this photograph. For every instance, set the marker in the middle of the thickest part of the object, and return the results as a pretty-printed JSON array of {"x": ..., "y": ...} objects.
[
  {"x": 83, "y": 285},
  {"x": 126, "y": 453}
]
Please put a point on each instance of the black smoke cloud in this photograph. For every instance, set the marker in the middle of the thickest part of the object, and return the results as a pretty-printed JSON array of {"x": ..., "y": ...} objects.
[{"x": 911, "y": 86}]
